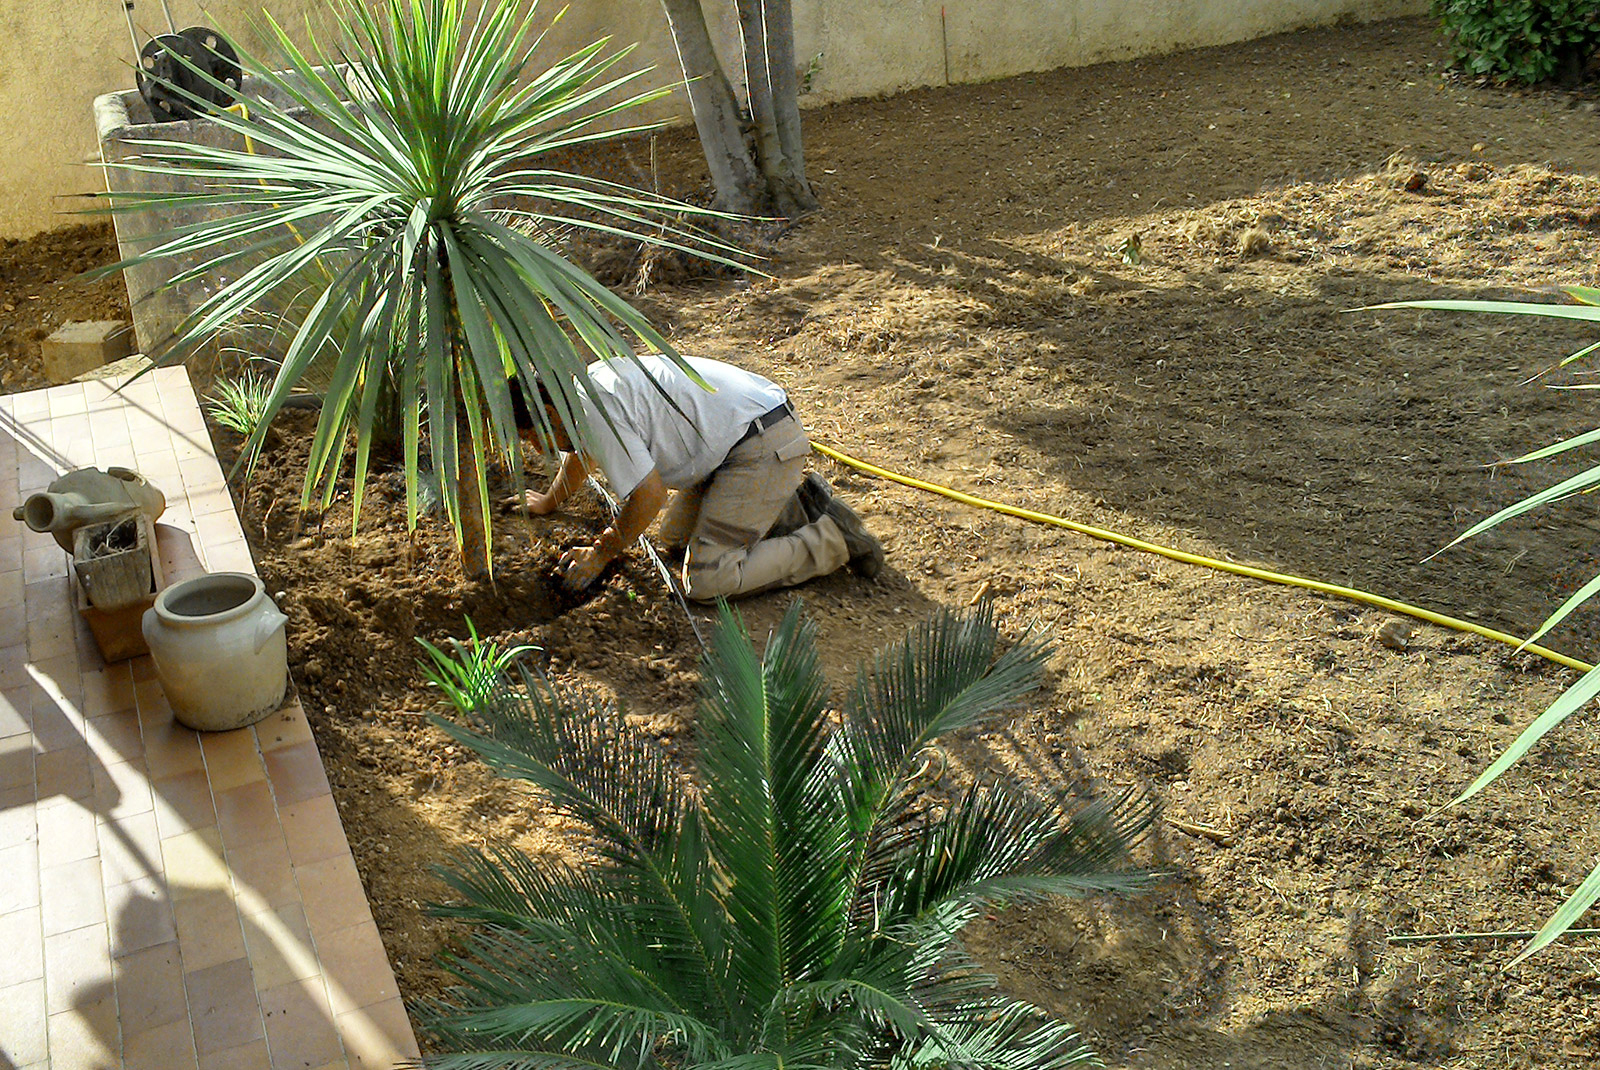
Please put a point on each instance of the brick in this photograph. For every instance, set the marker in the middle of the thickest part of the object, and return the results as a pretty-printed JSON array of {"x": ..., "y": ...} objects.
[{"x": 82, "y": 347}]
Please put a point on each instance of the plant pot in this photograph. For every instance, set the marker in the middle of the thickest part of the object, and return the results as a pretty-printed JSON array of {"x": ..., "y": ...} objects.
[
  {"x": 113, "y": 561},
  {"x": 219, "y": 649}
]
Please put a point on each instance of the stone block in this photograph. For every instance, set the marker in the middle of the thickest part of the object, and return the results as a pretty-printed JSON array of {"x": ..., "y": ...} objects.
[{"x": 80, "y": 347}]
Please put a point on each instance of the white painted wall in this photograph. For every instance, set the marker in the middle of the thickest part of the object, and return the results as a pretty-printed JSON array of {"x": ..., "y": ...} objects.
[{"x": 61, "y": 54}]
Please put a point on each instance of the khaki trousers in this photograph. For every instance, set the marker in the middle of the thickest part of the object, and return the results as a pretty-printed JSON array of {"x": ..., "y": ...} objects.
[{"x": 723, "y": 522}]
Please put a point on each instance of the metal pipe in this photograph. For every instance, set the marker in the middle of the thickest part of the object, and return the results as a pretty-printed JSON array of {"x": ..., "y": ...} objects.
[{"x": 127, "y": 9}]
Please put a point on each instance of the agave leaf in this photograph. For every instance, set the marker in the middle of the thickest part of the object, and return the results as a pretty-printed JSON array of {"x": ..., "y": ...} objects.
[
  {"x": 1508, "y": 308},
  {"x": 1565, "y": 917},
  {"x": 1570, "y": 701}
]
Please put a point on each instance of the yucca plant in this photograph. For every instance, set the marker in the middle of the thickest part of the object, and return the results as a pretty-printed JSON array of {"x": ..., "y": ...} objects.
[
  {"x": 401, "y": 181},
  {"x": 797, "y": 903},
  {"x": 1587, "y": 686}
]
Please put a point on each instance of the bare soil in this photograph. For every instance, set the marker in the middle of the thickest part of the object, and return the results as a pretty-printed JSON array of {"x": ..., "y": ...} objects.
[{"x": 1125, "y": 295}]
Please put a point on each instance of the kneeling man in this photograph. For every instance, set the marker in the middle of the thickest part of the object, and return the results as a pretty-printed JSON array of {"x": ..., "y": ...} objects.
[{"x": 744, "y": 513}]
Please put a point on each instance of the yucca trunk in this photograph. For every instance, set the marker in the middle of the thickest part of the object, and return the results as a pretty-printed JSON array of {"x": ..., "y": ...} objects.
[
  {"x": 474, "y": 537},
  {"x": 474, "y": 542}
]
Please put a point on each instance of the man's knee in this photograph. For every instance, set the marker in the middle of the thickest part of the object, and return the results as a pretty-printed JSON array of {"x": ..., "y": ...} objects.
[
  {"x": 702, "y": 584},
  {"x": 707, "y": 571}
]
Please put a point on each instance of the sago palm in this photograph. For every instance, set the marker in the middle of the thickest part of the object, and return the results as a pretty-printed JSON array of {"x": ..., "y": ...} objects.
[
  {"x": 394, "y": 191},
  {"x": 798, "y": 902}
]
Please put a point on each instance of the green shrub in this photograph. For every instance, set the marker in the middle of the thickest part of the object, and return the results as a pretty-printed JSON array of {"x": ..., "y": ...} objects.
[
  {"x": 1521, "y": 40},
  {"x": 240, "y": 404},
  {"x": 799, "y": 904}
]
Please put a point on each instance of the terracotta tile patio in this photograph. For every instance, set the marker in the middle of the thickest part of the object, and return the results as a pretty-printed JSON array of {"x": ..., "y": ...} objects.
[{"x": 167, "y": 899}]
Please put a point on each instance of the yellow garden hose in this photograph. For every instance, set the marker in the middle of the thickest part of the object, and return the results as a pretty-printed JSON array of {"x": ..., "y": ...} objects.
[{"x": 1207, "y": 562}]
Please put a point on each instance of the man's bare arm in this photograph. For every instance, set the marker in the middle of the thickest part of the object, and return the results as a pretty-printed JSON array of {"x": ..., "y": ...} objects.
[
  {"x": 579, "y": 567},
  {"x": 569, "y": 477}
]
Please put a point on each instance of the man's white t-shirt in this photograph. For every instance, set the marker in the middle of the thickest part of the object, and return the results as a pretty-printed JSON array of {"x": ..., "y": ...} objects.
[{"x": 651, "y": 434}]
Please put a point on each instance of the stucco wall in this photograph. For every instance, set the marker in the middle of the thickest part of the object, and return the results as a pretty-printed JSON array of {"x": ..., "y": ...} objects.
[{"x": 62, "y": 55}]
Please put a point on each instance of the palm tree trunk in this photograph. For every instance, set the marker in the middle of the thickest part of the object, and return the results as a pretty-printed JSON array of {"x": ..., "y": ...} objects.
[
  {"x": 789, "y": 193},
  {"x": 738, "y": 183},
  {"x": 786, "y": 92}
]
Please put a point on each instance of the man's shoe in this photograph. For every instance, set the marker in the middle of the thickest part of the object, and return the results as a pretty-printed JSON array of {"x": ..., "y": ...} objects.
[
  {"x": 814, "y": 494},
  {"x": 866, "y": 552}
]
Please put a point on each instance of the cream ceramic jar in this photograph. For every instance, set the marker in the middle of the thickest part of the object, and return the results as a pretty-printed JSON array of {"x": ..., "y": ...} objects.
[{"x": 219, "y": 650}]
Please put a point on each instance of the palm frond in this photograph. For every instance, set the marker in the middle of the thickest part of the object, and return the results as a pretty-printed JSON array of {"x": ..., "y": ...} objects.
[
  {"x": 774, "y": 816},
  {"x": 996, "y": 844}
]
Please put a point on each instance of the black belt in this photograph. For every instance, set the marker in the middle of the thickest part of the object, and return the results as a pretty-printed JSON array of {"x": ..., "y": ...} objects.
[{"x": 765, "y": 422}]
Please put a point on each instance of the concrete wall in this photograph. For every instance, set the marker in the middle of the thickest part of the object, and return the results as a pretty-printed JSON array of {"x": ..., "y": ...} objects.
[{"x": 63, "y": 55}]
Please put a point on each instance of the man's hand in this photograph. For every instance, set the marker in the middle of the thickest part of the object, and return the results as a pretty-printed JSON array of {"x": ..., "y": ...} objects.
[
  {"x": 580, "y": 566},
  {"x": 540, "y": 504}
]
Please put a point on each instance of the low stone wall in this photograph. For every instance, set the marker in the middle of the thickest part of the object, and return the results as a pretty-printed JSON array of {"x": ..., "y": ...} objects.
[{"x": 63, "y": 56}]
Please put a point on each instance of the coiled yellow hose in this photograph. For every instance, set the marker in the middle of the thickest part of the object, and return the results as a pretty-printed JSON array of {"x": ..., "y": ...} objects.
[{"x": 1265, "y": 575}]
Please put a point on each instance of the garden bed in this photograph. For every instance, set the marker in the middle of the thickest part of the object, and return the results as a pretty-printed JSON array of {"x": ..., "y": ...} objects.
[{"x": 969, "y": 309}]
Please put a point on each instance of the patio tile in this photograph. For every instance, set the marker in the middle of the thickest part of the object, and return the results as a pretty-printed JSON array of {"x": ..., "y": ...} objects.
[
  {"x": 251, "y": 1056},
  {"x": 232, "y": 758},
  {"x": 71, "y": 895},
  {"x": 55, "y": 727},
  {"x": 121, "y": 790},
  {"x": 170, "y": 748},
  {"x": 16, "y": 762},
  {"x": 165, "y": 1047},
  {"x": 13, "y": 625},
  {"x": 108, "y": 690},
  {"x": 66, "y": 834},
  {"x": 181, "y": 875},
  {"x": 193, "y": 863},
  {"x": 280, "y": 946},
  {"x": 130, "y": 848},
  {"x": 247, "y": 815},
  {"x": 14, "y": 667},
  {"x": 85, "y": 1036},
  {"x": 313, "y": 831},
  {"x": 183, "y": 804},
  {"x": 22, "y": 936},
  {"x": 77, "y": 967},
  {"x": 377, "y": 1037},
  {"x": 16, "y": 713},
  {"x": 64, "y": 773},
  {"x": 231, "y": 556},
  {"x": 51, "y": 596},
  {"x": 62, "y": 674},
  {"x": 149, "y": 987},
  {"x": 357, "y": 968},
  {"x": 208, "y": 930},
  {"x": 296, "y": 773},
  {"x": 17, "y": 819},
  {"x": 23, "y": 1036},
  {"x": 332, "y": 893},
  {"x": 263, "y": 871},
  {"x": 141, "y": 915},
  {"x": 12, "y": 583},
  {"x": 68, "y": 400},
  {"x": 283, "y": 729},
  {"x": 223, "y": 1006},
  {"x": 52, "y": 636},
  {"x": 45, "y": 561},
  {"x": 20, "y": 888},
  {"x": 115, "y": 738},
  {"x": 300, "y": 1031}
]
